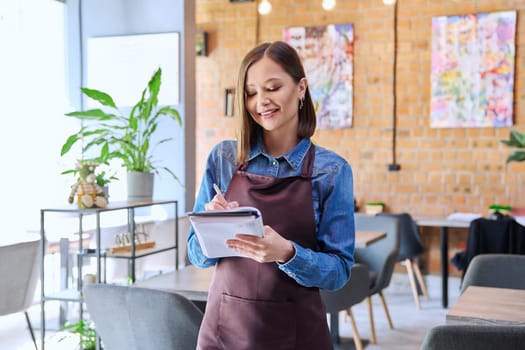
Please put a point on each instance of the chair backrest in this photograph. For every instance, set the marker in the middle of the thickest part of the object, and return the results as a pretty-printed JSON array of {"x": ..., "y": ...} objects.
[
  {"x": 140, "y": 318},
  {"x": 19, "y": 274},
  {"x": 489, "y": 236},
  {"x": 410, "y": 245},
  {"x": 108, "y": 309},
  {"x": 380, "y": 257},
  {"x": 354, "y": 291},
  {"x": 474, "y": 337},
  {"x": 495, "y": 270}
]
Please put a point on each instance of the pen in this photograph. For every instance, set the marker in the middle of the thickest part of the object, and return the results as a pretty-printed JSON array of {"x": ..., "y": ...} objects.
[{"x": 219, "y": 193}]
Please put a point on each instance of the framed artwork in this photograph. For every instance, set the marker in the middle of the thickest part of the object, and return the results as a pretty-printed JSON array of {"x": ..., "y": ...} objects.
[
  {"x": 472, "y": 74},
  {"x": 201, "y": 43},
  {"x": 327, "y": 55},
  {"x": 229, "y": 98}
]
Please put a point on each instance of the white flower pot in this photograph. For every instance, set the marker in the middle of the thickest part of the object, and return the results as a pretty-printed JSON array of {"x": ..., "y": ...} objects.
[{"x": 140, "y": 186}]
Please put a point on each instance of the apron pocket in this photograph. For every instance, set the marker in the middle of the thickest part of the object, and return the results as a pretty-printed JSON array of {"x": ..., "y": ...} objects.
[{"x": 256, "y": 324}]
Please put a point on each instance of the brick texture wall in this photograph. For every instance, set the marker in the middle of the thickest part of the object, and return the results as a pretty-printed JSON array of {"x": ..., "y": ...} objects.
[{"x": 442, "y": 170}]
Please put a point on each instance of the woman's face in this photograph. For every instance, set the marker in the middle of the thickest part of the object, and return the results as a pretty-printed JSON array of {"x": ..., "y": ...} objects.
[{"x": 272, "y": 97}]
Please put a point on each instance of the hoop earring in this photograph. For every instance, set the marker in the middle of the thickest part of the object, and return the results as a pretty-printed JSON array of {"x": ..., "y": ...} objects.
[{"x": 301, "y": 101}]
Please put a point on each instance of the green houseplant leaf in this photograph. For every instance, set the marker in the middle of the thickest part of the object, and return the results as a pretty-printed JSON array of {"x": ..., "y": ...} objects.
[
  {"x": 517, "y": 140},
  {"x": 125, "y": 137}
]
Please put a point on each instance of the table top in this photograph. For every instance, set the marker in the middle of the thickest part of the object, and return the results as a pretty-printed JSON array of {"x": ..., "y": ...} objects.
[
  {"x": 487, "y": 305},
  {"x": 440, "y": 221},
  {"x": 190, "y": 281},
  {"x": 193, "y": 282}
]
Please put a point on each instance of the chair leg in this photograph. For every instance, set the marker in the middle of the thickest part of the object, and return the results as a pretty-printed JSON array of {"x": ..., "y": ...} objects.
[
  {"x": 411, "y": 278},
  {"x": 420, "y": 279},
  {"x": 30, "y": 329},
  {"x": 385, "y": 307},
  {"x": 373, "y": 339},
  {"x": 355, "y": 334}
]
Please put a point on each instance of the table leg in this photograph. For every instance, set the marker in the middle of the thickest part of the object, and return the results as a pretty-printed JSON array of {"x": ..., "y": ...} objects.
[{"x": 444, "y": 266}]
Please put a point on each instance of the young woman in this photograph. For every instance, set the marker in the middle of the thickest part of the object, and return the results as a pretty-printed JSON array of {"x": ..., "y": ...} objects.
[{"x": 270, "y": 299}]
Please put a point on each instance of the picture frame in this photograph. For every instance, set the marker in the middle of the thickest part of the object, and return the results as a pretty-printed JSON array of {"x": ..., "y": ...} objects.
[{"x": 201, "y": 43}]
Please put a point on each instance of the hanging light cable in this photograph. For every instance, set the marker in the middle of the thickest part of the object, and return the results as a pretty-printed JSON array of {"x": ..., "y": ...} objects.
[{"x": 264, "y": 7}]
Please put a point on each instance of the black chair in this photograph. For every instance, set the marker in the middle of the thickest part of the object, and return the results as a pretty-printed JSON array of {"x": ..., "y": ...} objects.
[
  {"x": 495, "y": 270},
  {"x": 354, "y": 292},
  {"x": 474, "y": 337},
  {"x": 380, "y": 258},
  {"x": 410, "y": 249},
  {"x": 491, "y": 236}
]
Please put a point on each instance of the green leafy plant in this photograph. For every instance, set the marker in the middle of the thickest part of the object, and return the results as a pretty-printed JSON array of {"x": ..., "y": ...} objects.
[
  {"x": 517, "y": 140},
  {"x": 125, "y": 137},
  {"x": 86, "y": 331}
]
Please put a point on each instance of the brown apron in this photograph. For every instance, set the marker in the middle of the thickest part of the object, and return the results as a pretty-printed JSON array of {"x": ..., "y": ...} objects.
[{"x": 256, "y": 306}]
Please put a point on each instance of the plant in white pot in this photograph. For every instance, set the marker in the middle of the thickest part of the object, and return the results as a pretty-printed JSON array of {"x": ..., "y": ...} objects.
[{"x": 125, "y": 137}]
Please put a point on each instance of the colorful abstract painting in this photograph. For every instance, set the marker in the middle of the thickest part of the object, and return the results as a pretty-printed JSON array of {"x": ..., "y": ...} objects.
[
  {"x": 327, "y": 54},
  {"x": 472, "y": 77}
]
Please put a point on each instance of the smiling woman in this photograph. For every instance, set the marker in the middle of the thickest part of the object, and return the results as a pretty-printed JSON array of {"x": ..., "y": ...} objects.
[{"x": 33, "y": 84}]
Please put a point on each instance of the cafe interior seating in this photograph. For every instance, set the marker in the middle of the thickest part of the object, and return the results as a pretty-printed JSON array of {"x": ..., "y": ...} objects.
[
  {"x": 380, "y": 258},
  {"x": 354, "y": 292},
  {"x": 495, "y": 270},
  {"x": 410, "y": 248},
  {"x": 474, "y": 337},
  {"x": 19, "y": 273},
  {"x": 135, "y": 318}
]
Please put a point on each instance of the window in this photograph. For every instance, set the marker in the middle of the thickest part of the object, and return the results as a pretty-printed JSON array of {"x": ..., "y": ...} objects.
[{"x": 33, "y": 103}]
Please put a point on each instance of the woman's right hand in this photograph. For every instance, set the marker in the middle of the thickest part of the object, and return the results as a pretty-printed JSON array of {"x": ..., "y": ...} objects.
[{"x": 218, "y": 202}]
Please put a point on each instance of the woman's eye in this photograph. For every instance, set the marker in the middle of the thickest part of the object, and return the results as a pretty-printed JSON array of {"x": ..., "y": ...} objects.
[
  {"x": 250, "y": 94},
  {"x": 273, "y": 88}
]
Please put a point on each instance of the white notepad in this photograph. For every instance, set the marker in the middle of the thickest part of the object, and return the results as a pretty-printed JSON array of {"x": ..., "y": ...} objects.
[{"x": 214, "y": 227}]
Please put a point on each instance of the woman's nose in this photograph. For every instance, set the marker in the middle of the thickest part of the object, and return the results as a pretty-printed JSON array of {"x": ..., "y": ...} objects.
[{"x": 263, "y": 100}]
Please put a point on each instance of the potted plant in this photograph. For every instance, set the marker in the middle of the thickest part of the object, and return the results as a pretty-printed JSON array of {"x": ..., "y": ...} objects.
[
  {"x": 517, "y": 185},
  {"x": 125, "y": 137}
]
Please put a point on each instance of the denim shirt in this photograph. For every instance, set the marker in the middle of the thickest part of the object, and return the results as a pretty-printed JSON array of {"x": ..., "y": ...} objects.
[{"x": 333, "y": 203}]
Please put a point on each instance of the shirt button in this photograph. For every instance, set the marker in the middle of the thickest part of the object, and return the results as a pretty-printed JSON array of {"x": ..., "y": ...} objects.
[{"x": 274, "y": 162}]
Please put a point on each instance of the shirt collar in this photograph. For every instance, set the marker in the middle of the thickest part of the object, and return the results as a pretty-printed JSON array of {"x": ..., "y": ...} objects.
[{"x": 294, "y": 157}]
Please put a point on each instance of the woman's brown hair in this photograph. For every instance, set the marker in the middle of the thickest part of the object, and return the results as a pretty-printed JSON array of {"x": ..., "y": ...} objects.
[{"x": 285, "y": 56}]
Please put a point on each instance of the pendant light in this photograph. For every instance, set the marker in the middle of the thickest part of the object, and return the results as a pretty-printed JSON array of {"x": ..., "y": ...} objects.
[
  {"x": 389, "y": 2},
  {"x": 264, "y": 7},
  {"x": 328, "y": 5}
]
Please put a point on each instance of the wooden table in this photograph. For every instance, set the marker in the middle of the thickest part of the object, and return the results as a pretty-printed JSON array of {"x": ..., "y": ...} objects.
[
  {"x": 489, "y": 306},
  {"x": 443, "y": 223},
  {"x": 193, "y": 282}
]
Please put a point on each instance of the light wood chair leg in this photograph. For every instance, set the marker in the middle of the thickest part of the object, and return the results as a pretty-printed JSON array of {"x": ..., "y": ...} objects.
[
  {"x": 373, "y": 339},
  {"x": 355, "y": 334},
  {"x": 385, "y": 307},
  {"x": 412, "y": 279},
  {"x": 420, "y": 279}
]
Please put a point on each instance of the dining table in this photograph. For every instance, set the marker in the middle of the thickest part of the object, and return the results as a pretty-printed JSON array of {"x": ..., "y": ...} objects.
[
  {"x": 193, "y": 282},
  {"x": 443, "y": 223},
  {"x": 479, "y": 305}
]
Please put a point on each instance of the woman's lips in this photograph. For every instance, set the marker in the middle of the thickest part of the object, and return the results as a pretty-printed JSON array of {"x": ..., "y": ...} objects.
[{"x": 268, "y": 113}]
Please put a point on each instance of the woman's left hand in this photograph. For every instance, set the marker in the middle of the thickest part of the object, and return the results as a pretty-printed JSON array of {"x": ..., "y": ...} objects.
[{"x": 271, "y": 247}]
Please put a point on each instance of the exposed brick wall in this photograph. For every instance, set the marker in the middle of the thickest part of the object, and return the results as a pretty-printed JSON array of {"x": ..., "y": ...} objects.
[{"x": 442, "y": 170}]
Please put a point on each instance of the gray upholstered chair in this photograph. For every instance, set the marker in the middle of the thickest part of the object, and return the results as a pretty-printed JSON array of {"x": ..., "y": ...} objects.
[
  {"x": 355, "y": 291},
  {"x": 380, "y": 257},
  {"x": 410, "y": 248},
  {"x": 474, "y": 337},
  {"x": 19, "y": 273},
  {"x": 135, "y": 318},
  {"x": 495, "y": 270}
]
